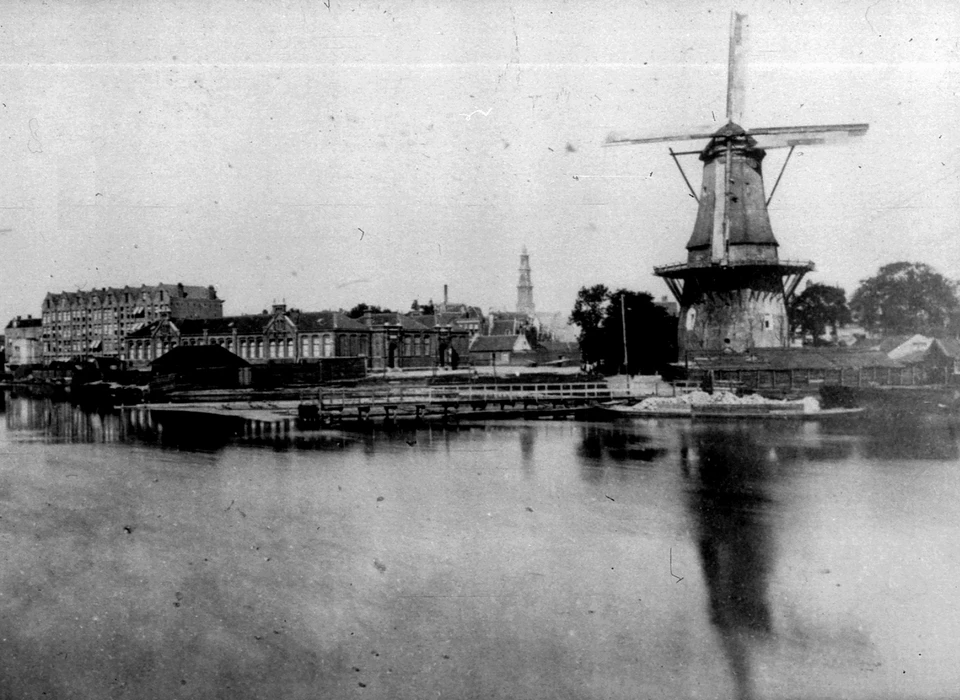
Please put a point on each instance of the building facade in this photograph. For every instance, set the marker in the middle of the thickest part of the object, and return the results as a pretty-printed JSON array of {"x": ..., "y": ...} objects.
[
  {"x": 97, "y": 322},
  {"x": 399, "y": 341},
  {"x": 279, "y": 336},
  {"x": 386, "y": 341},
  {"x": 22, "y": 342}
]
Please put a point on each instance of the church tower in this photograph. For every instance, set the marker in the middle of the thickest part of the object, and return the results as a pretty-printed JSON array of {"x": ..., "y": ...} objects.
[{"x": 525, "y": 286}]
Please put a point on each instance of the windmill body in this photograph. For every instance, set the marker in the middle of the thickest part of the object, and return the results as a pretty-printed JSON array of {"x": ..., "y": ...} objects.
[{"x": 733, "y": 288}]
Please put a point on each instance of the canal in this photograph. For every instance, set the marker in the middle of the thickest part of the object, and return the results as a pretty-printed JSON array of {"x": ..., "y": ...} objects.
[{"x": 549, "y": 559}]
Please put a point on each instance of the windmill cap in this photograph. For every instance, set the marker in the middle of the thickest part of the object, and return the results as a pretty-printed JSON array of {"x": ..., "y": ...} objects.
[{"x": 727, "y": 133}]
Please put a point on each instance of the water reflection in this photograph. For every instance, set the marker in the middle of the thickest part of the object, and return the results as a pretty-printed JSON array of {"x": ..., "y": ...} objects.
[
  {"x": 600, "y": 443},
  {"x": 911, "y": 436},
  {"x": 729, "y": 477},
  {"x": 61, "y": 421}
]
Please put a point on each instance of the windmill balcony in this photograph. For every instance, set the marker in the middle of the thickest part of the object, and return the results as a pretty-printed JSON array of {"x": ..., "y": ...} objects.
[{"x": 682, "y": 269}]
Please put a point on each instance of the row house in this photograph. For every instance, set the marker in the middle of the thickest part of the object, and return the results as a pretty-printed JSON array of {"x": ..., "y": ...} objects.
[
  {"x": 385, "y": 340},
  {"x": 280, "y": 336},
  {"x": 97, "y": 322}
]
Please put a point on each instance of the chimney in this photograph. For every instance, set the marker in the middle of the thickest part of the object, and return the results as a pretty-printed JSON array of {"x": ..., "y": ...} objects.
[
  {"x": 180, "y": 292},
  {"x": 445, "y": 296},
  {"x": 212, "y": 292}
]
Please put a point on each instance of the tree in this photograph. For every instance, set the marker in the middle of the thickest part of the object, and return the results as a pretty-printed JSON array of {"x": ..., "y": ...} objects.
[
  {"x": 651, "y": 333},
  {"x": 588, "y": 313},
  {"x": 819, "y": 307},
  {"x": 905, "y": 297},
  {"x": 362, "y": 308},
  {"x": 423, "y": 309}
]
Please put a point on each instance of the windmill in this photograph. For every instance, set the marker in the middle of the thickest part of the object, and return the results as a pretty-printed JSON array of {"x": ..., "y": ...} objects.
[{"x": 733, "y": 289}]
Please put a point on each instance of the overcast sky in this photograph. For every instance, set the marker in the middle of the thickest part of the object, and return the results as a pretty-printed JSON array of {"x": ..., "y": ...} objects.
[{"x": 374, "y": 152}]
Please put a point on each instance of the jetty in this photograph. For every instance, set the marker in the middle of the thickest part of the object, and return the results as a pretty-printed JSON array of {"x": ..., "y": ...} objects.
[{"x": 450, "y": 403}]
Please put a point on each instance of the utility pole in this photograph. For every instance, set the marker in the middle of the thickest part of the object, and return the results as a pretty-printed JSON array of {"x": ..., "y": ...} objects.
[{"x": 623, "y": 319}]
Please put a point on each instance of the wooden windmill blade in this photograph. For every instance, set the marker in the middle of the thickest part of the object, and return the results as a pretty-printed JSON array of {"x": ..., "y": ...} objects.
[
  {"x": 736, "y": 68},
  {"x": 618, "y": 139},
  {"x": 788, "y": 136}
]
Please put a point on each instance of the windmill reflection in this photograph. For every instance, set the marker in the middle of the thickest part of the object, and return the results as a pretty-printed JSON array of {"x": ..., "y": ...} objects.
[{"x": 728, "y": 476}]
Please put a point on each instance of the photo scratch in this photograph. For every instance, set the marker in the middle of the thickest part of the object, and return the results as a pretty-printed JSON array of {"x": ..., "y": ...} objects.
[{"x": 476, "y": 111}]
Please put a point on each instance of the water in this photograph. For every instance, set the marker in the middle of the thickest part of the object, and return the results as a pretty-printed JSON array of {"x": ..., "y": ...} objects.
[{"x": 512, "y": 560}]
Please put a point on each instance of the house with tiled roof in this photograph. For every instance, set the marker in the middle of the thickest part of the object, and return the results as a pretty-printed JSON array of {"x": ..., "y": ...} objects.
[
  {"x": 280, "y": 336},
  {"x": 501, "y": 350}
]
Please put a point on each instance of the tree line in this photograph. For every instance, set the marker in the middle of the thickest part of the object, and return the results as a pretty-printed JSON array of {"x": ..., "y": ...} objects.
[{"x": 903, "y": 298}]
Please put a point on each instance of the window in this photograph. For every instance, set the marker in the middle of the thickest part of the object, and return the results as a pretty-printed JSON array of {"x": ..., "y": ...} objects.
[{"x": 328, "y": 345}]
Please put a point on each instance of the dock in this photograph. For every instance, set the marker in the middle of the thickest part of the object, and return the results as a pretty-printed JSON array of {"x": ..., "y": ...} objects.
[{"x": 450, "y": 403}]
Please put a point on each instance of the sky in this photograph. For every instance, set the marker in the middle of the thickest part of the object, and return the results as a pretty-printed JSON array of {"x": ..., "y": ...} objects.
[{"x": 323, "y": 156}]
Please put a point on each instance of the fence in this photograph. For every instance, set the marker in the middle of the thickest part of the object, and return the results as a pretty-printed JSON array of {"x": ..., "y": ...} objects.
[{"x": 582, "y": 393}]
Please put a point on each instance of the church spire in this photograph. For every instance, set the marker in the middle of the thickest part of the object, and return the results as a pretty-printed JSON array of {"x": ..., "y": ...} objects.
[{"x": 525, "y": 286}]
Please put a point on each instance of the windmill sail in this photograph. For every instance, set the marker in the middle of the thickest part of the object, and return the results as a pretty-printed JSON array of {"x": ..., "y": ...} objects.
[
  {"x": 733, "y": 287},
  {"x": 736, "y": 69}
]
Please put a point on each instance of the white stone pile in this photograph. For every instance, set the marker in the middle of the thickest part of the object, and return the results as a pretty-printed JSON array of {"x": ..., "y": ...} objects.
[{"x": 700, "y": 398}]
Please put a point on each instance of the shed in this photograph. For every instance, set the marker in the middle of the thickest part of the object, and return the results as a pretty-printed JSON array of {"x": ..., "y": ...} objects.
[
  {"x": 501, "y": 350},
  {"x": 201, "y": 366}
]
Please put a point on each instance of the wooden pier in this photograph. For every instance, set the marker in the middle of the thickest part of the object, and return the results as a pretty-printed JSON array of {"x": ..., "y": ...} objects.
[
  {"x": 388, "y": 404},
  {"x": 453, "y": 402}
]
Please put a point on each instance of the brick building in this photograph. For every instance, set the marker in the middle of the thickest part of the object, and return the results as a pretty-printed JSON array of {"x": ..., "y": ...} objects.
[
  {"x": 96, "y": 322},
  {"x": 399, "y": 341},
  {"x": 386, "y": 340},
  {"x": 279, "y": 336}
]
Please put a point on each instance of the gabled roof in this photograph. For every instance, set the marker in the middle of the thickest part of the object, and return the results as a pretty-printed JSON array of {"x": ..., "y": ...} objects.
[
  {"x": 504, "y": 327},
  {"x": 884, "y": 344},
  {"x": 559, "y": 346},
  {"x": 191, "y": 357},
  {"x": 408, "y": 323},
  {"x": 950, "y": 346},
  {"x": 243, "y": 325},
  {"x": 425, "y": 320},
  {"x": 313, "y": 321},
  {"x": 24, "y": 322},
  {"x": 495, "y": 343},
  {"x": 445, "y": 318}
]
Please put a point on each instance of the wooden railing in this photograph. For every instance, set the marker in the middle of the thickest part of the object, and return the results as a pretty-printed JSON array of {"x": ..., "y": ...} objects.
[{"x": 466, "y": 393}]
